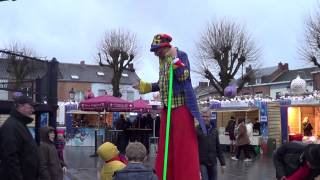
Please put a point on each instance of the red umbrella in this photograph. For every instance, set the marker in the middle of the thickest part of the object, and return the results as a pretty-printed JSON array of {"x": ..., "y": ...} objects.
[
  {"x": 108, "y": 103},
  {"x": 141, "y": 105}
]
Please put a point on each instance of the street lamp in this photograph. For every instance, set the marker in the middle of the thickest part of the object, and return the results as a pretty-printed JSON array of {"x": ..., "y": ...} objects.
[{"x": 72, "y": 95}]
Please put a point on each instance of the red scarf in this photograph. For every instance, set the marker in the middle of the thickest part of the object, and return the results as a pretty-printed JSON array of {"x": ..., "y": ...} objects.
[
  {"x": 300, "y": 174},
  {"x": 118, "y": 158}
]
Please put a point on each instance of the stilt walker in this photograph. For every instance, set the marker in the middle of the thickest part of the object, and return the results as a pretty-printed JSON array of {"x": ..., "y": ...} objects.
[{"x": 177, "y": 157}]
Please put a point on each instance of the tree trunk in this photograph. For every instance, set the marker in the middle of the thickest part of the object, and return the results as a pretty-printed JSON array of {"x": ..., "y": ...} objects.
[{"x": 115, "y": 86}]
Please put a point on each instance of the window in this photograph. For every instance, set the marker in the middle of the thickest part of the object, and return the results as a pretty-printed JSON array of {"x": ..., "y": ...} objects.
[
  {"x": 74, "y": 77},
  {"x": 259, "y": 94},
  {"x": 130, "y": 95},
  {"x": 79, "y": 96},
  {"x": 99, "y": 73},
  {"x": 125, "y": 75},
  {"x": 258, "y": 81},
  {"x": 101, "y": 92}
]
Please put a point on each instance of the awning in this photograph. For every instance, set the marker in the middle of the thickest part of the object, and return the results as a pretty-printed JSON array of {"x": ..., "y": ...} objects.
[
  {"x": 235, "y": 109},
  {"x": 83, "y": 112}
]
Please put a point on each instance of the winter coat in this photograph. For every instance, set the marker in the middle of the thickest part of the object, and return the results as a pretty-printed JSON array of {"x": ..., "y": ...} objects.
[
  {"x": 241, "y": 135},
  {"x": 288, "y": 158},
  {"x": 135, "y": 171},
  {"x": 230, "y": 129},
  {"x": 209, "y": 147},
  {"x": 249, "y": 127},
  {"x": 107, "y": 152},
  {"x": 50, "y": 163},
  {"x": 19, "y": 153},
  {"x": 307, "y": 129}
]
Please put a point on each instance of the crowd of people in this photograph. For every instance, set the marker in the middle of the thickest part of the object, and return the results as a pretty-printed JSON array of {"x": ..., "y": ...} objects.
[
  {"x": 241, "y": 138},
  {"x": 20, "y": 156},
  {"x": 194, "y": 151}
]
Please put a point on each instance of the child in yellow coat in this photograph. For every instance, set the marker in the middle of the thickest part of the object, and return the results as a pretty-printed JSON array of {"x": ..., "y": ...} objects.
[{"x": 113, "y": 162}]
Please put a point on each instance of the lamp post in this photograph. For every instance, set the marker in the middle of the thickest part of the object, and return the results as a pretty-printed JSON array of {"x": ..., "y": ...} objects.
[{"x": 72, "y": 95}]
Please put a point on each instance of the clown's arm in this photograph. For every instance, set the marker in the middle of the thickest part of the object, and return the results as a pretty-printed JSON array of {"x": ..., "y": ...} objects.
[{"x": 145, "y": 87}]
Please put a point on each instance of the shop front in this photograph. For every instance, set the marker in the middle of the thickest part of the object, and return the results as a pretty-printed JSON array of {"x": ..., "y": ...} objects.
[{"x": 301, "y": 120}]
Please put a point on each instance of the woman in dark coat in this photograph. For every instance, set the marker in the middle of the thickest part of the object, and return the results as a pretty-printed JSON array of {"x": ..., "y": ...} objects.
[
  {"x": 51, "y": 167},
  {"x": 307, "y": 127}
]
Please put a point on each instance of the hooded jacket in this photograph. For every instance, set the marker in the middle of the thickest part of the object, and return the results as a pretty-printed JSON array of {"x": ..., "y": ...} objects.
[
  {"x": 50, "y": 164},
  {"x": 19, "y": 154},
  {"x": 107, "y": 152}
]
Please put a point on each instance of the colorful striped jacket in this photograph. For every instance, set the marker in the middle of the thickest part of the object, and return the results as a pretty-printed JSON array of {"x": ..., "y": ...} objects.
[{"x": 181, "y": 83}]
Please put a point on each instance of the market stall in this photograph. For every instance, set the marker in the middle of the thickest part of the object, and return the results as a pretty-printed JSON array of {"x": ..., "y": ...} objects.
[
  {"x": 264, "y": 114},
  {"x": 300, "y": 119}
]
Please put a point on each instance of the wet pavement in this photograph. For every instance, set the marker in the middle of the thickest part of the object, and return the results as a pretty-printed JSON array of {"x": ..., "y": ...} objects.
[{"x": 83, "y": 167}]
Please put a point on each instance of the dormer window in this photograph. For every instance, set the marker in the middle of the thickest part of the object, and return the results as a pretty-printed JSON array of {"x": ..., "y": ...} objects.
[
  {"x": 258, "y": 81},
  {"x": 125, "y": 75},
  {"x": 99, "y": 73},
  {"x": 74, "y": 77}
]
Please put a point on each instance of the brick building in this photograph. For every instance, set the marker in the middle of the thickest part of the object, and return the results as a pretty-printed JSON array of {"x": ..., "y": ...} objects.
[{"x": 269, "y": 81}]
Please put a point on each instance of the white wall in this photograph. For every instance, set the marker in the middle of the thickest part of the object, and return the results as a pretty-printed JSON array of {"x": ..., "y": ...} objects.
[
  {"x": 3, "y": 94},
  {"x": 283, "y": 88},
  {"x": 108, "y": 87}
]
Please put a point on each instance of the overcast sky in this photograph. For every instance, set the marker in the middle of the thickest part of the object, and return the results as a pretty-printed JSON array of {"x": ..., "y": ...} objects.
[{"x": 70, "y": 30}]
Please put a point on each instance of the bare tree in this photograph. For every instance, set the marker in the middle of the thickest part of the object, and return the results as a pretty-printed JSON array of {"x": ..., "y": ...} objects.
[
  {"x": 118, "y": 49},
  {"x": 223, "y": 49},
  {"x": 310, "y": 50},
  {"x": 21, "y": 67}
]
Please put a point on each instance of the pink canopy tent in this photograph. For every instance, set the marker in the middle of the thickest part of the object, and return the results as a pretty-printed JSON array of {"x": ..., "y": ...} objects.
[
  {"x": 141, "y": 105},
  {"x": 106, "y": 103}
]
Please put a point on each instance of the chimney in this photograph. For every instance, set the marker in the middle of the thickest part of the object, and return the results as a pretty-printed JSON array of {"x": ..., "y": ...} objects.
[
  {"x": 203, "y": 84},
  {"x": 82, "y": 62},
  {"x": 130, "y": 67},
  {"x": 283, "y": 67},
  {"x": 248, "y": 69},
  {"x": 286, "y": 66}
]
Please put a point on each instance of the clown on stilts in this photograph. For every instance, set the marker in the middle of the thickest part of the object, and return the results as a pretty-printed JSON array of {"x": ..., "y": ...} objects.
[{"x": 183, "y": 160}]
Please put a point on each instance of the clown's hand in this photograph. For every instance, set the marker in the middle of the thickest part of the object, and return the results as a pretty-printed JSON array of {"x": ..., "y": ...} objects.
[
  {"x": 136, "y": 85},
  {"x": 177, "y": 63}
]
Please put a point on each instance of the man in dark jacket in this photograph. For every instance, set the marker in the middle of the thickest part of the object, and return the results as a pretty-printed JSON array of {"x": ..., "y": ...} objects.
[
  {"x": 135, "y": 170},
  {"x": 209, "y": 149},
  {"x": 51, "y": 167},
  {"x": 19, "y": 152},
  {"x": 291, "y": 156}
]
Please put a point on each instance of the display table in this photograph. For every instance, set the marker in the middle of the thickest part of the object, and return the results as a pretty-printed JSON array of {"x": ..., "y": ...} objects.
[{"x": 224, "y": 139}]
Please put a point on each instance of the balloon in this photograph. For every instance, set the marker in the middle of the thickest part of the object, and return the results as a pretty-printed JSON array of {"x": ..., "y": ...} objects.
[{"x": 230, "y": 91}]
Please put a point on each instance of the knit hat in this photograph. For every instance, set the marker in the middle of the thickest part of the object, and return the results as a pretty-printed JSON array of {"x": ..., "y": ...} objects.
[
  {"x": 312, "y": 155},
  {"x": 159, "y": 41},
  {"x": 23, "y": 100}
]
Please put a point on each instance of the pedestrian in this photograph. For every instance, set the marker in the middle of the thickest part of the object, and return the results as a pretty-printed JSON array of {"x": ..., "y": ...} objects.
[
  {"x": 113, "y": 161},
  {"x": 230, "y": 129},
  {"x": 51, "y": 167},
  {"x": 183, "y": 145},
  {"x": 60, "y": 143},
  {"x": 123, "y": 136},
  {"x": 209, "y": 149},
  {"x": 307, "y": 127},
  {"x": 19, "y": 152},
  {"x": 242, "y": 141},
  {"x": 297, "y": 161},
  {"x": 249, "y": 127},
  {"x": 136, "y": 154}
]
